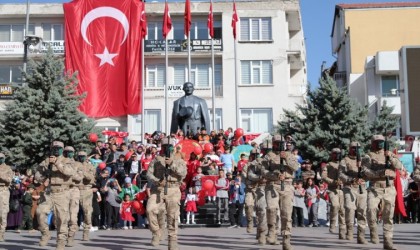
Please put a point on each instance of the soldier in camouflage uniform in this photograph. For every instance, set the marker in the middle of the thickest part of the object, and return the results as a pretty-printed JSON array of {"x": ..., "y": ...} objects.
[
  {"x": 6, "y": 176},
  {"x": 255, "y": 176},
  {"x": 330, "y": 175},
  {"x": 176, "y": 171},
  {"x": 86, "y": 193},
  {"x": 354, "y": 200},
  {"x": 381, "y": 188},
  {"x": 250, "y": 188},
  {"x": 279, "y": 167},
  {"x": 55, "y": 172},
  {"x": 76, "y": 179}
]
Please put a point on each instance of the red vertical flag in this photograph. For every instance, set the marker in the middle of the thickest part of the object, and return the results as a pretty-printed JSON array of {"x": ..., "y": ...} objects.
[
  {"x": 234, "y": 20},
  {"x": 210, "y": 21},
  {"x": 167, "y": 22},
  {"x": 103, "y": 45},
  {"x": 143, "y": 21},
  {"x": 187, "y": 18}
]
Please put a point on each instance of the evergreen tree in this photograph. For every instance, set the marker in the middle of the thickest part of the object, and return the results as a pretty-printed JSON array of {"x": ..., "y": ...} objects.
[
  {"x": 331, "y": 119},
  {"x": 385, "y": 122},
  {"x": 44, "y": 109}
]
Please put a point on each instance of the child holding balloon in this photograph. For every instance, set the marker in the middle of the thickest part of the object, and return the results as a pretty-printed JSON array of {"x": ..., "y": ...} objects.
[
  {"x": 191, "y": 206},
  {"x": 126, "y": 212}
]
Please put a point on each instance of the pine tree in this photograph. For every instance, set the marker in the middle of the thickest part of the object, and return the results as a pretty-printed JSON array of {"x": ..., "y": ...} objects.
[
  {"x": 44, "y": 109},
  {"x": 385, "y": 122},
  {"x": 331, "y": 119}
]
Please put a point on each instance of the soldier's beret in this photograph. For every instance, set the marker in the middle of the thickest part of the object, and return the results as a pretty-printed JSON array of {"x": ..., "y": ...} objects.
[
  {"x": 69, "y": 148},
  {"x": 354, "y": 144},
  {"x": 378, "y": 138},
  {"x": 82, "y": 153},
  {"x": 166, "y": 141},
  {"x": 58, "y": 144},
  {"x": 336, "y": 150},
  {"x": 277, "y": 138},
  {"x": 2, "y": 155}
]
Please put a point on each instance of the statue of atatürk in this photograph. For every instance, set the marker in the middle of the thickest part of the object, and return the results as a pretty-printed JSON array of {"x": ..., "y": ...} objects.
[{"x": 190, "y": 112}]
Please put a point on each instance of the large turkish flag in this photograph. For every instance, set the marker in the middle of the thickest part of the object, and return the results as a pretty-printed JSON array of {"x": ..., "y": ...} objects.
[{"x": 102, "y": 40}]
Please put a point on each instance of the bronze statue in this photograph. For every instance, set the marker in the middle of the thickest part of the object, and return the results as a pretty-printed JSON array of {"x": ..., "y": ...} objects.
[{"x": 190, "y": 112}]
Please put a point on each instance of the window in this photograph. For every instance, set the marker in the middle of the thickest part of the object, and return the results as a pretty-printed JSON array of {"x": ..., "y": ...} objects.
[
  {"x": 217, "y": 27},
  {"x": 14, "y": 32},
  {"x": 256, "y": 72},
  {"x": 10, "y": 74},
  {"x": 200, "y": 74},
  {"x": 255, "y": 29},
  {"x": 52, "y": 32},
  {"x": 178, "y": 31},
  {"x": 390, "y": 83},
  {"x": 151, "y": 120},
  {"x": 199, "y": 30},
  {"x": 136, "y": 125},
  {"x": 219, "y": 120},
  {"x": 154, "y": 31},
  {"x": 155, "y": 75},
  {"x": 257, "y": 120}
]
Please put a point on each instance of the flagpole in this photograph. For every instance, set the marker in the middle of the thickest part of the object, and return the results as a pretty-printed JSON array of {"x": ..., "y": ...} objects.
[
  {"x": 213, "y": 87},
  {"x": 143, "y": 79},
  {"x": 166, "y": 85},
  {"x": 236, "y": 69},
  {"x": 189, "y": 57}
]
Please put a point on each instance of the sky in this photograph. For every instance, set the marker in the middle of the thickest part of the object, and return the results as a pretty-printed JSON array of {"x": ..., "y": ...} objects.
[{"x": 317, "y": 18}]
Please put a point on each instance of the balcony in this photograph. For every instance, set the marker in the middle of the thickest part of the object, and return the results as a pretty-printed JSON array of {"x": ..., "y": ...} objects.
[
  {"x": 295, "y": 61},
  {"x": 196, "y": 45}
]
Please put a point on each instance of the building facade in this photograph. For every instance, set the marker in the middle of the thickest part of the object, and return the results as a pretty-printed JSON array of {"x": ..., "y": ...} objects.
[
  {"x": 269, "y": 63},
  {"x": 366, "y": 39}
]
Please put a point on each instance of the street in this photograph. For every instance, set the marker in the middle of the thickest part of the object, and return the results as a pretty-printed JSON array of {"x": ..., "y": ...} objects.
[{"x": 406, "y": 237}]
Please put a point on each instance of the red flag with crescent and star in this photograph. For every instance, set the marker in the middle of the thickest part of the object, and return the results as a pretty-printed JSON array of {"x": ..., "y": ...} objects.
[
  {"x": 235, "y": 19},
  {"x": 167, "y": 21},
  {"x": 187, "y": 18},
  {"x": 210, "y": 21},
  {"x": 103, "y": 45}
]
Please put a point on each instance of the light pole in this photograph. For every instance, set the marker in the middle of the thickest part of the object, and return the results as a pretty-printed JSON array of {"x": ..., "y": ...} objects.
[{"x": 25, "y": 42}]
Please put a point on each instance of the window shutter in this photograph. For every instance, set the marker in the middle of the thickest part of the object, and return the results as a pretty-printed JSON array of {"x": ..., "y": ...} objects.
[
  {"x": 179, "y": 74},
  {"x": 266, "y": 28},
  {"x": 267, "y": 72},
  {"x": 58, "y": 32},
  {"x": 244, "y": 25},
  {"x": 203, "y": 75},
  {"x": 245, "y": 72},
  {"x": 218, "y": 74},
  {"x": 255, "y": 29},
  {"x": 17, "y": 33},
  {"x": 160, "y": 75},
  {"x": 4, "y": 33}
]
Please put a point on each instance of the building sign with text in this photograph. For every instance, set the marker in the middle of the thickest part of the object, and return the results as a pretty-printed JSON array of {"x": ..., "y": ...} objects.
[
  {"x": 182, "y": 45},
  {"x": 18, "y": 48},
  {"x": 6, "y": 92}
]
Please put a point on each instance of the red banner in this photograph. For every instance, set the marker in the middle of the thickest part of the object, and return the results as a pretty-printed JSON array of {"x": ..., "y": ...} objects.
[{"x": 102, "y": 40}]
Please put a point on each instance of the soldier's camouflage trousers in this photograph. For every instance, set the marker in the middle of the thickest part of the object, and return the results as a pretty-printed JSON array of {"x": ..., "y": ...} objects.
[
  {"x": 386, "y": 196},
  {"x": 156, "y": 206},
  {"x": 86, "y": 203},
  {"x": 337, "y": 209},
  {"x": 74, "y": 210},
  {"x": 4, "y": 209},
  {"x": 282, "y": 201}
]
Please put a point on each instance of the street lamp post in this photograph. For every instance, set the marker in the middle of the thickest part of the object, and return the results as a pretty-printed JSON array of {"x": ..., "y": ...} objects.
[{"x": 25, "y": 42}]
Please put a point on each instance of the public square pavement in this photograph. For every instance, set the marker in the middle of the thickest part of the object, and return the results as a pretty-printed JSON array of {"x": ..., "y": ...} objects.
[{"x": 406, "y": 237}]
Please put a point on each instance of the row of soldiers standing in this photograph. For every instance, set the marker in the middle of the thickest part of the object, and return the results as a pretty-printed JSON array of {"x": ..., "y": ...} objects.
[{"x": 270, "y": 192}]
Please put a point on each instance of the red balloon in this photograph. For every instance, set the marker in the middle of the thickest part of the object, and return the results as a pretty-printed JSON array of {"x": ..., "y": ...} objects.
[
  {"x": 102, "y": 165},
  {"x": 197, "y": 150},
  {"x": 140, "y": 196},
  {"x": 93, "y": 137},
  {"x": 208, "y": 147},
  {"x": 208, "y": 185},
  {"x": 239, "y": 132},
  {"x": 135, "y": 205}
]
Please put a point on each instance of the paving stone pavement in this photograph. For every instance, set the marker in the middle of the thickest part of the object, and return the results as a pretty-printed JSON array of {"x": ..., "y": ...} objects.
[{"x": 406, "y": 237}]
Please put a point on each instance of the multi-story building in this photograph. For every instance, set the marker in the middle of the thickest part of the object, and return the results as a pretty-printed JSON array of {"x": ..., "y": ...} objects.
[
  {"x": 366, "y": 39},
  {"x": 270, "y": 60}
]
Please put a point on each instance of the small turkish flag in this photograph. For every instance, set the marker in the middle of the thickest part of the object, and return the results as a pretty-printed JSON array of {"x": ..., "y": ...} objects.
[
  {"x": 103, "y": 44},
  {"x": 235, "y": 19},
  {"x": 210, "y": 21},
  {"x": 167, "y": 21},
  {"x": 187, "y": 18}
]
